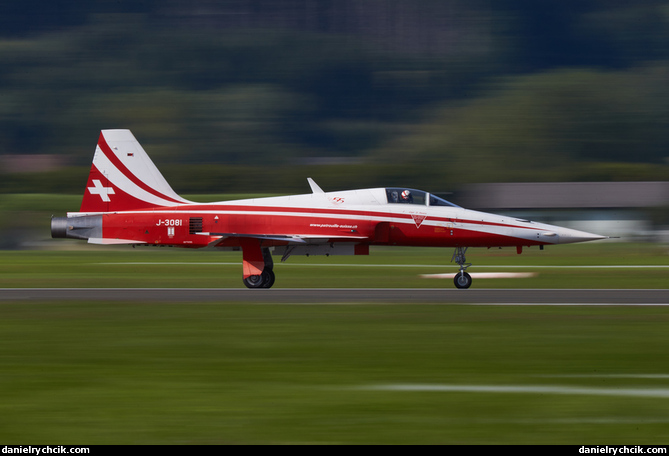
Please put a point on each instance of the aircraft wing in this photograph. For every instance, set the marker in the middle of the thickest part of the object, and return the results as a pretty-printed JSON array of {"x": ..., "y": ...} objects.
[
  {"x": 108, "y": 241},
  {"x": 263, "y": 237},
  {"x": 289, "y": 238}
]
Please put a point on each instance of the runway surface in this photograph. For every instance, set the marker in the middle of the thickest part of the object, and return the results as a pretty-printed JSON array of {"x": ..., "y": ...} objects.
[{"x": 346, "y": 295}]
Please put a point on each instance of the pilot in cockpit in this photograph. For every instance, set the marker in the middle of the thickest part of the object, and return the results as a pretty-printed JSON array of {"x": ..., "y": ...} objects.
[{"x": 407, "y": 197}]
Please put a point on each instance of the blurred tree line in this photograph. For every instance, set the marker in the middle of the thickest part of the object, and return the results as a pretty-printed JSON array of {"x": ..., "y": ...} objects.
[{"x": 257, "y": 95}]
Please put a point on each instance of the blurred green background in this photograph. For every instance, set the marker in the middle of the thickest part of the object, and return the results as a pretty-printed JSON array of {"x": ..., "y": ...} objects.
[{"x": 256, "y": 95}]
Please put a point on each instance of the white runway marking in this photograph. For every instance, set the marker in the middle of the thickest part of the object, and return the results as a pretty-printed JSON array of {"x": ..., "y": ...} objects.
[
  {"x": 431, "y": 266},
  {"x": 635, "y": 376},
  {"x": 579, "y": 420},
  {"x": 354, "y": 296},
  {"x": 483, "y": 275},
  {"x": 167, "y": 263},
  {"x": 526, "y": 389}
]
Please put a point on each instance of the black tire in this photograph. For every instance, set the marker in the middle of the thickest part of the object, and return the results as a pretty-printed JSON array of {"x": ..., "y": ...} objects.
[
  {"x": 265, "y": 280},
  {"x": 254, "y": 281},
  {"x": 463, "y": 280}
]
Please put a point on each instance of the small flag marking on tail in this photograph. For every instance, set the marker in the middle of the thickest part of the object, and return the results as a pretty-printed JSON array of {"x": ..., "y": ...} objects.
[{"x": 101, "y": 190}]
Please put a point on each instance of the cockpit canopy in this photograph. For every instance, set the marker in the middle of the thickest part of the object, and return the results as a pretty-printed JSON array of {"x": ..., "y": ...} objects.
[{"x": 400, "y": 195}]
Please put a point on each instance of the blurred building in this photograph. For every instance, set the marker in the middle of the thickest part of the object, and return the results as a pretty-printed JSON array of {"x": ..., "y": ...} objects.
[
  {"x": 31, "y": 163},
  {"x": 623, "y": 209}
]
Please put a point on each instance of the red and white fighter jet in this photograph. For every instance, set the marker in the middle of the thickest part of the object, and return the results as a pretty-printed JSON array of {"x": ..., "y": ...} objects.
[{"x": 128, "y": 201}]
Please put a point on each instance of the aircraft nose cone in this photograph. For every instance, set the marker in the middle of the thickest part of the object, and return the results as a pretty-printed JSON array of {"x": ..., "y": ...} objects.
[{"x": 569, "y": 236}]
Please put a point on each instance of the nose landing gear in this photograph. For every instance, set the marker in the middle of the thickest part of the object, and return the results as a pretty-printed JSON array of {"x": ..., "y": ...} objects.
[{"x": 462, "y": 279}]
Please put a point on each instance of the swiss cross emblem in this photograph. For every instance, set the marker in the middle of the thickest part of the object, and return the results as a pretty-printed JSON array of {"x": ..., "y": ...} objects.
[
  {"x": 101, "y": 190},
  {"x": 418, "y": 219}
]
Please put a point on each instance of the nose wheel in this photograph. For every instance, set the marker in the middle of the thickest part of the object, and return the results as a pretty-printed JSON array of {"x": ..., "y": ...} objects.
[{"x": 462, "y": 279}]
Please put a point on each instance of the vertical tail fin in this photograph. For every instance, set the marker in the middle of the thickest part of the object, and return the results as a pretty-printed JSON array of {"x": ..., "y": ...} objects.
[{"x": 123, "y": 177}]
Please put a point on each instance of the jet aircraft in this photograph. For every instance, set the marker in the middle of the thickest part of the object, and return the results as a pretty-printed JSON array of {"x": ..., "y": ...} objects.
[{"x": 128, "y": 201}]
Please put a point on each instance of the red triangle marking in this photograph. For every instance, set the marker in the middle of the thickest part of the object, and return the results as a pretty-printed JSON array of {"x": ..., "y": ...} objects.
[{"x": 418, "y": 219}]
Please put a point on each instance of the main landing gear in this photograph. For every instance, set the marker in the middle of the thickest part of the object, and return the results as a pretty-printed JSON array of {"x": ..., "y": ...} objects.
[
  {"x": 462, "y": 279},
  {"x": 266, "y": 278}
]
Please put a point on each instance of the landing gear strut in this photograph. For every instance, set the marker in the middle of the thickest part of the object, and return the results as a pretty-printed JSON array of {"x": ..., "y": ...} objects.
[{"x": 462, "y": 279}]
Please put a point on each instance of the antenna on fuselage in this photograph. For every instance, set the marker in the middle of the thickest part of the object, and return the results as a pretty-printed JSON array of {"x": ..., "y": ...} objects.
[{"x": 314, "y": 186}]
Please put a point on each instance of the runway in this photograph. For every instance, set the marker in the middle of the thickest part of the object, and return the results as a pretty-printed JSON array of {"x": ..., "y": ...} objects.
[{"x": 329, "y": 296}]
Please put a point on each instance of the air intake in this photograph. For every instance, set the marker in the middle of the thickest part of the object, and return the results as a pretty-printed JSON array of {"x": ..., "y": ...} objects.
[{"x": 195, "y": 225}]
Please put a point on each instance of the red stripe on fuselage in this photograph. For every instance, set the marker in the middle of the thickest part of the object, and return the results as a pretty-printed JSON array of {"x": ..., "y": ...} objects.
[
  {"x": 334, "y": 213},
  {"x": 318, "y": 223}
]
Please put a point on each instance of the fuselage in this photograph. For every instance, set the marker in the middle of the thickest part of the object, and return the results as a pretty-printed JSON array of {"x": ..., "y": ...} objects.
[{"x": 357, "y": 216}]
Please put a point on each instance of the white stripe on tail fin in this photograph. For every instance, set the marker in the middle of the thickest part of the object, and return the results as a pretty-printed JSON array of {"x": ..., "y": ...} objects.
[{"x": 124, "y": 178}]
